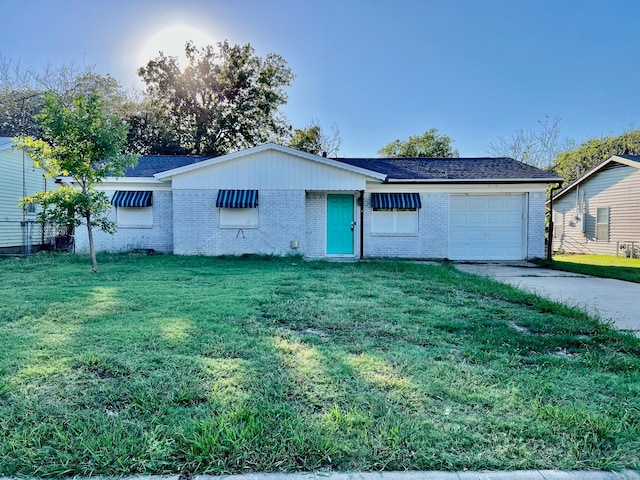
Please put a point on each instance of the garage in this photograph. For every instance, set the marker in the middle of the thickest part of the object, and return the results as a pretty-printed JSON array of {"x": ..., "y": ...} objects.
[{"x": 486, "y": 227}]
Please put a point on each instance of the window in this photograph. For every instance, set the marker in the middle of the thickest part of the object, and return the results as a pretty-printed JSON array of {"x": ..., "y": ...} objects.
[
  {"x": 238, "y": 208},
  {"x": 558, "y": 225},
  {"x": 395, "y": 221},
  {"x": 395, "y": 213},
  {"x": 140, "y": 217},
  {"x": 133, "y": 208},
  {"x": 239, "y": 217},
  {"x": 30, "y": 208},
  {"x": 602, "y": 224}
]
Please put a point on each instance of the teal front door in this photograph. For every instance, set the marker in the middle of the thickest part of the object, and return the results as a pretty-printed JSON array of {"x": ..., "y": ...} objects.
[{"x": 339, "y": 224}]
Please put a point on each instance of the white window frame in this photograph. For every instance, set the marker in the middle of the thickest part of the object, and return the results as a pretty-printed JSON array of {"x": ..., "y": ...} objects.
[
  {"x": 558, "y": 225},
  {"x": 134, "y": 217},
  {"x": 31, "y": 209},
  {"x": 600, "y": 226},
  {"x": 396, "y": 215},
  {"x": 234, "y": 218}
]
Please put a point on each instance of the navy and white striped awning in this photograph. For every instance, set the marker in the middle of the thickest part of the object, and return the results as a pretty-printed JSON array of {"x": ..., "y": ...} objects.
[
  {"x": 131, "y": 199},
  {"x": 395, "y": 200},
  {"x": 237, "y": 199}
]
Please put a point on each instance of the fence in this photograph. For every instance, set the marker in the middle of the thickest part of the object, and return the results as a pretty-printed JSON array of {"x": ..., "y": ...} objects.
[
  {"x": 629, "y": 249},
  {"x": 27, "y": 236}
]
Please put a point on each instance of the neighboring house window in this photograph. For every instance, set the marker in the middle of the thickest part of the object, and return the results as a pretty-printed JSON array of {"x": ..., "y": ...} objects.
[
  {"x": 558, "y": 225},
  {"x": 238, "y": 208},
  {"x": 133, "y": 208},
  {"x": 602, "y": 224},
  {"x": 30, "y": 208},
  {"x": 395, "y": 213}
]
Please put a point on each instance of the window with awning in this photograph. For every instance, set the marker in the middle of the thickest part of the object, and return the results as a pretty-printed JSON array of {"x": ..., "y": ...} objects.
[
  {"x": 389, "y": 201},
  {"x": 395, "y": 213},
  {"x": 132, "y": 199},
  {"x": 237, "y": 199}
]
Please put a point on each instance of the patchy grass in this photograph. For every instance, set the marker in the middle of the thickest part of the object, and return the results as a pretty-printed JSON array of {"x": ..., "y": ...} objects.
[
  {"x": 170, "y": 364},
  {"x": 606, "y": 266}
]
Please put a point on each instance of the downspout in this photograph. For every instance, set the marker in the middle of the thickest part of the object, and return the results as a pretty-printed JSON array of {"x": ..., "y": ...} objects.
[
  {"x": 361, "y": 224},
  {"x": 550, "y": 233}
]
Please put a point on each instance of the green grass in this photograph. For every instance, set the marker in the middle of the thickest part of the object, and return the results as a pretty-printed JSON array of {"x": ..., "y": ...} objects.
[
  {"x": 164, "y": 364},
  {"x": 606, "y": 266}
]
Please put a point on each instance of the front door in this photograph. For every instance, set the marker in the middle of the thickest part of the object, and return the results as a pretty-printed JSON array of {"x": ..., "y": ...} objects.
[{"x": 339, "y": 224}]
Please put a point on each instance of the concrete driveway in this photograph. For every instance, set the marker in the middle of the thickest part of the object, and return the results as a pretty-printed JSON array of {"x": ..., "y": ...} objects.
[{"x": 611, "y": 300}]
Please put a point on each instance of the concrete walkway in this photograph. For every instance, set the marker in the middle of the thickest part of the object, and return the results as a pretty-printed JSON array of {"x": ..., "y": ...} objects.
[
  {"x": 513, "y": 475},
  {"x": 614, "y": 301},
  {"x": 516, "y": 475}
]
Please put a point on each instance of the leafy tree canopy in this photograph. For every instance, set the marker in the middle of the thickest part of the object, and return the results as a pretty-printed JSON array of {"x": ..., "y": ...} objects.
[
  {"x": 572, "y": 163},
  {"x": 429, "y": 144},
  {"x": 83, "y": 141},
  {"x": 22, "y": 93},
  {"x": 223, "y": 101},
  {"x": 313, "y": 139}
]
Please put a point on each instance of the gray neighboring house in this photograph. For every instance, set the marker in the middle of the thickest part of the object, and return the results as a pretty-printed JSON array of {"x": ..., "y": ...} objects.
[
  {"x": 273, "y": 199},
  {"x": 600, "y": 212},
  {"x": 20, "y": 177}
]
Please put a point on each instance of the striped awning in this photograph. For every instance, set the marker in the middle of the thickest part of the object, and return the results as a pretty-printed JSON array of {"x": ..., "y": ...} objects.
[
  {"x": 395, "y": 200},
  {"x": 131, "y": 199},
  {"x": 237, "y": 199}
]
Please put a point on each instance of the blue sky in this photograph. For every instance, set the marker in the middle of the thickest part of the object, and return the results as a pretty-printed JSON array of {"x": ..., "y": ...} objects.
[{"x": 380, "y": 70}]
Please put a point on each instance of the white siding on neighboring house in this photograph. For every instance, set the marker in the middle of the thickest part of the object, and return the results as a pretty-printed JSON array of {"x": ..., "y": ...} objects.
[
  {"x": 617, "y": 188},
  {"x": 19, "y": 177}
]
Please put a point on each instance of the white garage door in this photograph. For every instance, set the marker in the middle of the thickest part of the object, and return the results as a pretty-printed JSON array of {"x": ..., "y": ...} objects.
[{"x": 486, "y": 227}]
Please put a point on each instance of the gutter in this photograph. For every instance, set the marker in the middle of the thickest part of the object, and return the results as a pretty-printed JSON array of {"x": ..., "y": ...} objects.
[
  {"x": 475, "y": 180},
  {"x": 361, "y": 202}
]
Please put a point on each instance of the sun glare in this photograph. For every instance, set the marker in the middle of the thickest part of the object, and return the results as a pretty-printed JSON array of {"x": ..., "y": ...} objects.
[{"x": 171, "y": 42}]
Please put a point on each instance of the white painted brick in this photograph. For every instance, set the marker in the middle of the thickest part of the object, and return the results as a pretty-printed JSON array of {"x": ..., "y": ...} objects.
[
  {"x": 536, "y": 225},
  {"x": 159, "y": 237},
  {"x": 197, "y": 225},
  {"x": 431, "y": 240}
]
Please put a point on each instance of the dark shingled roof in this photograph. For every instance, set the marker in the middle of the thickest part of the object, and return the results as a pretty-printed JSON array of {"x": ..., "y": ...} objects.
[
  {"x": 635, "y": 158},
  {"x": 452, "y": 169},
  {"x": 148, "y": 165}
]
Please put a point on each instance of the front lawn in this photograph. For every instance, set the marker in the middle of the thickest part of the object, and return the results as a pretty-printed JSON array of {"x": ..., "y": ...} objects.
[
  {"x": 606, "y": 266},
  {"x": 164, "y": 364}
]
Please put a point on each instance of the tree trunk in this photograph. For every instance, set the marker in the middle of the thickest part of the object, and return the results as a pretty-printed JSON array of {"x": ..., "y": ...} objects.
[{"x": 92, "y": 251}]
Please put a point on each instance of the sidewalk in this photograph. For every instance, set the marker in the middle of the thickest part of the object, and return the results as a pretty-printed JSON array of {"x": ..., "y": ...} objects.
[
  {"x": 430, "y": 475},
  {"x": 514, "y": 475}
]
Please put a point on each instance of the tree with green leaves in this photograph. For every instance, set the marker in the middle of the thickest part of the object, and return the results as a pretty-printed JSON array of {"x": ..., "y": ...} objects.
[
  {"x": 85, "y": 142},
  {"x": 429, "y": 144},
  {"x": 223, "y": 101},
  {"x": 573, "y": 163},
  {"x": 313, "y": 139},
  {"x": 22, "y": 93}
]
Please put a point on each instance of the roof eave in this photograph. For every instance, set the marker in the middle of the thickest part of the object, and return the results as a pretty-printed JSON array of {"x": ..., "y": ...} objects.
[
  {"x": 150, "y": 180},
  {"x": 594, "y": 170},
  {"x": 69, "y": 180},
  {"x": 269, "y": 146}
]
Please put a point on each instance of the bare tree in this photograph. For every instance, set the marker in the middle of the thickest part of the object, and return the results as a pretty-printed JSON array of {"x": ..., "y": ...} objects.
[{"x": 538, "y": 147}]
